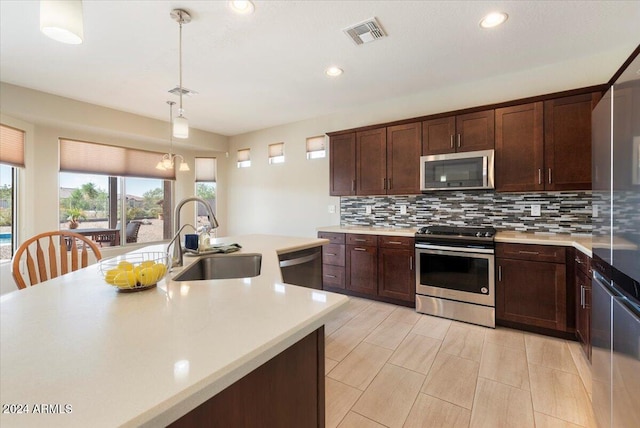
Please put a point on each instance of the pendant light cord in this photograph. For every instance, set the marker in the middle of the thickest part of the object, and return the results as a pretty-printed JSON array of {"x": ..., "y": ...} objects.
[{"x": 180, "y": 53}]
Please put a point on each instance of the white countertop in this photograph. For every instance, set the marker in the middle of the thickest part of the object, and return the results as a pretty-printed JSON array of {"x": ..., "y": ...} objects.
[
  {"x": 371, "y": 230},
  {"x": 146, "y": 358}
]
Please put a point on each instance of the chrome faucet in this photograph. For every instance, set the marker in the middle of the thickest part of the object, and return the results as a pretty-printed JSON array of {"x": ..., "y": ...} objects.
[
  {"x": 177, "y": 246},
  {"x": 176, "y": 259}
]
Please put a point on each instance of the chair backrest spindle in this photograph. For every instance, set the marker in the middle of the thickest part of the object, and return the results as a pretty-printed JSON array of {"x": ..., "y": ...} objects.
[{"x": 47, "y": 266}]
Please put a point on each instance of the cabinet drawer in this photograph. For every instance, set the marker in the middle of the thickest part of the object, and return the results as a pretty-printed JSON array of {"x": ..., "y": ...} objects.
[
  {"x": 332, "y": 276},
  {"x": 368, "y": 240},
  {"x": 335, "y": 238},
  {"x": 333, "y": 254},
  {"x": 538, "y": 253},
  {"x": 583, "y": 263},
  {"x": 396, "y": 242}
]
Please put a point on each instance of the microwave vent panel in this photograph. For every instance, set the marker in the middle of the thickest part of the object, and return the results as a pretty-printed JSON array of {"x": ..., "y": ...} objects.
[{"x": 366, "y": 31}]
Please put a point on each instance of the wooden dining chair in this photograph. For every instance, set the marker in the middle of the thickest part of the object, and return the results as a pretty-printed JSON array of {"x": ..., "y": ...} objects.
[{"x": 65, "y": 252}]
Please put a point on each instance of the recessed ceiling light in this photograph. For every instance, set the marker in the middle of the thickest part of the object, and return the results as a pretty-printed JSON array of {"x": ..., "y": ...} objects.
[
  {"x": 243, "y": 7},
  {"x": 333, "y": 71},
  {"x": 493, "y": 19}
]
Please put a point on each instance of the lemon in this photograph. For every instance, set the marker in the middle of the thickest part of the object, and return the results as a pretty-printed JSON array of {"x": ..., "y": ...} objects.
[
  {"x": 111, "y": 275},
  {"x": 147, "y": 263},
  {"x": 125, "y": 265},
  {"x": 160, "y": 269},
  {"x": 125, "y": 279},
  {"x": 148, "y": 276}
]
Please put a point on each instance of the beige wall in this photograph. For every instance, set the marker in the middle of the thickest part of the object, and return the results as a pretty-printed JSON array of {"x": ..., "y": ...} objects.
[{"x": 45, "y": 118}]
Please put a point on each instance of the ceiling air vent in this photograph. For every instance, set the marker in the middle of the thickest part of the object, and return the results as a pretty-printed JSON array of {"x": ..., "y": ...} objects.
[
  {"x": 366, "y": 31},
  {"x": 185, "y": 91}
]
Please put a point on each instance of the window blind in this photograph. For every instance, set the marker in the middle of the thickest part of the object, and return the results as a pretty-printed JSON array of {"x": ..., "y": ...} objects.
[
  {"x": 276, "y": 153},
  {"x": 244, "y": 158},
  {"x": 95, "y": 158},
  {"x": 11, "y": 146},
  {"x": 205, "y": 170},
  {"x": 316, "y": 147}
]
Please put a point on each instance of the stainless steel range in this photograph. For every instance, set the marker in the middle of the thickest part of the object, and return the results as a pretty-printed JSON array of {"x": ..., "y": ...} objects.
[{"x": 455, "y": 273}]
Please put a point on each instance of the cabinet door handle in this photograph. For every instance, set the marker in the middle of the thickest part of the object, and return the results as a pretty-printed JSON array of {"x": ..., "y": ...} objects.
[
  {"x": 359, "y": 249},
  {"x": 533, "y": 253},
  {"x": 459, "y": 141},
  {"x": 578, "y": 261},
  {"x": 329, "y": 254},
  {"x": 353, "y": 185},
  {"x": 410, "y": 262},
  {"x": 394, "y": 242},
  {"x": 549, "y": 175},
  {"x": 330, "y": 276},
  {"x": 582, "y": 296},
  {"x": 389, "y": 183},
  {"x": 500, "y": 273},
  {"x": 359, "y": 240},
  {"x": 539, "y": 175},
  {"x": 452, "y": 141}
]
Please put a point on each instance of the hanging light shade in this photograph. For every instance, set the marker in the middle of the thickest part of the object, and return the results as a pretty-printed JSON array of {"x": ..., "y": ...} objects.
[
  {"x": 181, "y": 127},
  {"x": 62, "y": 20}
]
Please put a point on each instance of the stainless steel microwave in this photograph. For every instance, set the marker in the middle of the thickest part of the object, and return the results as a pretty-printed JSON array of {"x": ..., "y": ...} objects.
[{"x": 457, "y": 171}]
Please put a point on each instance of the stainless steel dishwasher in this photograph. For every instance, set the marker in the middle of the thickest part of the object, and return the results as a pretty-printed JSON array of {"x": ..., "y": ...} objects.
[{"x": 302, "y": 267}]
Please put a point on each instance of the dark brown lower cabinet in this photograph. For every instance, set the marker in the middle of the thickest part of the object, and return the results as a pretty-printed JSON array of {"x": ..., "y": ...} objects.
[
  {"x": 362, "y": 269},
  {"x": 583, "y": 274},
  {"x": 376, "y": 267},
  {"x": 285, "y": 392},
  {"x": 530, "y": 292},
  {"x": 396, "y": 274}
]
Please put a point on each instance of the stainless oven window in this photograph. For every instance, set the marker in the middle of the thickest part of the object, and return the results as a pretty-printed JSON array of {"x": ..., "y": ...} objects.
[{"x": 461, "y": 273}]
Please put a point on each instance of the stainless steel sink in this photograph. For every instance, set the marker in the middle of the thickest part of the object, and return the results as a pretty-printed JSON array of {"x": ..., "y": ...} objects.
[{"x": 222, "y": 266}]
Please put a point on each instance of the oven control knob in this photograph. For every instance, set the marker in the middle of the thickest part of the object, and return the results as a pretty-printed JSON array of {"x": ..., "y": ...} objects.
[
  {"x": 478, "y": 234},
  {"x": 484, "y": 290},
  {"x": 487, "y": 234}
]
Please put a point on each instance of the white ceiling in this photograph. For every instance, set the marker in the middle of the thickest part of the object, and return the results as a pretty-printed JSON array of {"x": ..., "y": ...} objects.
[{"x": 266, "y": 69}]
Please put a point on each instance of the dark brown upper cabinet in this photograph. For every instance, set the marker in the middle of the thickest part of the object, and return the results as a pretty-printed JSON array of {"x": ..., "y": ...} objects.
[
  {"x": 463, "y": 133},
  {"x": 378, "y": 161},
  {"x": 342, "y": 165},
  {"x": 403, "y": 159},
  {"x": 567, "y": 142},
  {"x": 519, "y": 148},
  {"x": 545, "y": 146},
  {"x": 371, "y": 162}
]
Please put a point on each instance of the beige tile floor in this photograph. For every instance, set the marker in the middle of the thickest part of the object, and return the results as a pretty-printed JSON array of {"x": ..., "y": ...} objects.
[{"x": 388, "y": 366}]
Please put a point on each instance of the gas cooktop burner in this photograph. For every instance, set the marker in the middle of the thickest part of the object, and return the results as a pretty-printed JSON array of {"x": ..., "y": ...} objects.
[{"x": 486, "y": 232}]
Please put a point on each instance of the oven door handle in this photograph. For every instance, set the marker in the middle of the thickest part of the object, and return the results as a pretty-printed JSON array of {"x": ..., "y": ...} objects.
[{"x": 455, "y": 249}]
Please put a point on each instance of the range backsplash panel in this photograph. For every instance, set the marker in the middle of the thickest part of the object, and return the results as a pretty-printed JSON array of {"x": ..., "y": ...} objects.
[{"x": 560, "y": 212}]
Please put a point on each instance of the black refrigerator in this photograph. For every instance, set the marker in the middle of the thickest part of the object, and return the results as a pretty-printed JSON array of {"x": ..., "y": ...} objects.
[{"x": 615, "y": 319}]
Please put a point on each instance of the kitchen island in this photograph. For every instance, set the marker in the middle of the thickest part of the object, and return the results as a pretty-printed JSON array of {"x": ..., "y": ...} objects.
[{"x": 75, "y": 352}]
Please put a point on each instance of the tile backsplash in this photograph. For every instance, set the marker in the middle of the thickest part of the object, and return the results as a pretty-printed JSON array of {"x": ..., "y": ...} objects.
[{"x": 560, "y": 212}]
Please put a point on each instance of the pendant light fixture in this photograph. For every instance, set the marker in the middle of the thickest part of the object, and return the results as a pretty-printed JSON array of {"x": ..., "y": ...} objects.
[
  {"x": 62, "y": 20},
  {"x": 181, "y": 124},
  {"x": 168, "y": 159}
]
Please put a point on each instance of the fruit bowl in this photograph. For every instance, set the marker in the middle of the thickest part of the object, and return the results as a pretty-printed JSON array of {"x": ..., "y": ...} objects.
[{"x": 135, "y": 271}]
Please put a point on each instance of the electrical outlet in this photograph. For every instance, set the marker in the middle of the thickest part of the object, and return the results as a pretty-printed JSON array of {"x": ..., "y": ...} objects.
[
  {"x": 595, "y": 211},
  {"x": 535, "y": 210},
  {"x": 403, "y": 209},
  {"x": 332, "y": 209},
  {"x": 367, "y": 209}
]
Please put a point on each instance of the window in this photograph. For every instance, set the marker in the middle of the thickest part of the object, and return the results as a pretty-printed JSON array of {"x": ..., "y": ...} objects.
[
  {"x": 205, "y": 188},
  {"x": 276, "y": 153},
  {"x": 7, "y": 208},
  {"x": 244, "y": 158},
  {"x": 316, "y": 147},
  {"x": 11, "y": 157},
  {"x": 99, "y": 183}
]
